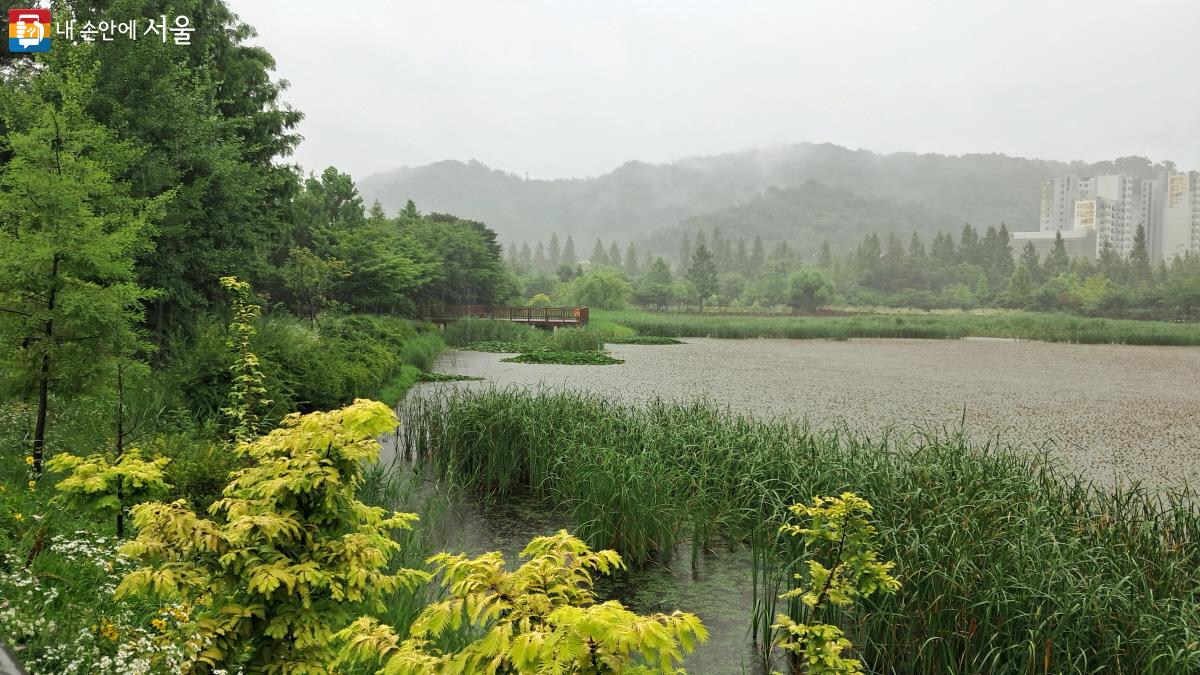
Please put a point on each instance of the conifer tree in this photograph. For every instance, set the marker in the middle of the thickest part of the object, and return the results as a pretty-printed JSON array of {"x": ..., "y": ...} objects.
[
  {"x": 631, "y": 262},
  {"x": 568, "y": 254},
  {"x": 599, "y": 256},
  {"x": 614, "y": 255},
  {"x": 703, "y": 273},
  {"x": 69, "y": 238}
]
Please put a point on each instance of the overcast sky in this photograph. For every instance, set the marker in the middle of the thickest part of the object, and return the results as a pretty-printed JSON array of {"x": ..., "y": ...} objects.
[{"x": 569, "y": 88}]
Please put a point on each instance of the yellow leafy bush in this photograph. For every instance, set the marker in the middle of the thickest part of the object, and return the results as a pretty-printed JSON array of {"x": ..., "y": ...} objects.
[{"x": 289, "y": 552}]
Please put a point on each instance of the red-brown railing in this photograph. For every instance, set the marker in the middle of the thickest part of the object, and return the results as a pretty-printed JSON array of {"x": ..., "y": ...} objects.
[{"x": 536, "y": 315}]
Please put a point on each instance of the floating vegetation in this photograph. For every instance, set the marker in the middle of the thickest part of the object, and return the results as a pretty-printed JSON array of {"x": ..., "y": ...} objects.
[
  {"x": 643, "y": 340},
  {"x": 447, "y": 377},
  {"x": 564, "y": 358}
]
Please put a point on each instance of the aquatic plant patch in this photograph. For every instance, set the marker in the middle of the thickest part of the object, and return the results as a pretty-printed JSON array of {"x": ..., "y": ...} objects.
[
  {"x": 447, "y": 377},
  {"x": 643, "y": 340},
  {"x": 564, "y": 358}
]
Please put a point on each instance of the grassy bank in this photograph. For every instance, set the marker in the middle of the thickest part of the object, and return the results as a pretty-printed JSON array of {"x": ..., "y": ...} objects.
[
  {"x": 1007, "y": 566},
  {"x": 1021, "y": 325}
]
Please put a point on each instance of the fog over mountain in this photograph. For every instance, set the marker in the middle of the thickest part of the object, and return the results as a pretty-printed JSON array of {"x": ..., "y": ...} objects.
[{"x": 647, "y": 202}]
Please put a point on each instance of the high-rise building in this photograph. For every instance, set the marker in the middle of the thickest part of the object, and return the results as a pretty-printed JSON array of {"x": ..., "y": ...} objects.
[
  {"x": 1058, "y": 203},
  {"x": 1178, "y": 215},
  {"x": 1113, "y": 206}
]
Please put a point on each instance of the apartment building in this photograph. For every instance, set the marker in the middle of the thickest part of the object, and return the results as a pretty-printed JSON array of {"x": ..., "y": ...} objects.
[{"x": 1113, "y": 206}]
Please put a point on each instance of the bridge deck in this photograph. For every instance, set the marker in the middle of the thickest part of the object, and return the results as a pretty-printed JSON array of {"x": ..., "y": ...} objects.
[{"x": 546, "y": 317}]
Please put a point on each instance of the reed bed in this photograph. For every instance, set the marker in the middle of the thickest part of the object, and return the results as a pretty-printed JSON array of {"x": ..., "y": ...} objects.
[
  {"x": 1008, "y": 565},
  {"x": 1018, "y": 325}
]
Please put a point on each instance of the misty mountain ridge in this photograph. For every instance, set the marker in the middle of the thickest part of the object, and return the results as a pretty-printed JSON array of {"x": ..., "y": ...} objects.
[{"x": 815, "y": 185}]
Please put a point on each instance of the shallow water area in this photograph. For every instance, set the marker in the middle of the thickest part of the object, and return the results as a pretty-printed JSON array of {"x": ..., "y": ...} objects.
[{"x": 1117, "y": 413}]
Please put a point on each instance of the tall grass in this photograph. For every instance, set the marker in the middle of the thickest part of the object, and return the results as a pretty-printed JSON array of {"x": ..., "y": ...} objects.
[
  {"x": 1020, "y": 325},
  {"x": 464, "y": 332},
  {"x": 473, "y": 331},
  {"x": 422, "y": 351},
  {"x": 1008, "y": 566}
]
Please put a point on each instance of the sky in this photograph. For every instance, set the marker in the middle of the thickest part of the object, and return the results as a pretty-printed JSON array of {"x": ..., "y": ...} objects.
[{"x": 561, "y": 89}]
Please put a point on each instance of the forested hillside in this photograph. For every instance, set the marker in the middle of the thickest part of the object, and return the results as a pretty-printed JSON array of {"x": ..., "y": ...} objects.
[
  {"x": 637, "y": 197},
  {"x": 808, "y": 215}
]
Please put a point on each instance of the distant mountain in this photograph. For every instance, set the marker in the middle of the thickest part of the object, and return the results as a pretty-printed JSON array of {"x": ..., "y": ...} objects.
[
  {"x": 638, "y": 198},
  {"x": 810, "y": 214}
]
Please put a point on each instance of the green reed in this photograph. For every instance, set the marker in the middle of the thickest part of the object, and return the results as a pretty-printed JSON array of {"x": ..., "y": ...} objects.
[
  {"x": 1008, "y": 564},
  {"x": 1045, "y": 327}
]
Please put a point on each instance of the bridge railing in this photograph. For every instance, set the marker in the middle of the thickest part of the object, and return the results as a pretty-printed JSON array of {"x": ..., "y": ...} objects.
[{"x": 545, "y": 315}]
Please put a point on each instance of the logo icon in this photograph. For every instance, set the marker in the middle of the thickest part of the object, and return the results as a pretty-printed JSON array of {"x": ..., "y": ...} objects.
[{"x": 28, "y": 30}]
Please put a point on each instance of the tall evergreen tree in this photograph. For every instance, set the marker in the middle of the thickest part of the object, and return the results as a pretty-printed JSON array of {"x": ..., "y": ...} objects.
[
  {"x": 539, "y": 257},
  {"x": 555, "y": 252},
  {"x": 1139, "y": 257},
  {"x": 685, "y": 252},
  {"x": 825, "y": 256},
  {"x": 614, "y": 255},
  {"x": 1058, "y": 261},
  {"x": 631, "y": 261},
  {"x": 1029, "y": 260},
  {"x": 568, "y": 254},
  {"x": 599, "y": 255},
  {"x": 758, "y": 255},
  {"x": 703, "y": 273}
]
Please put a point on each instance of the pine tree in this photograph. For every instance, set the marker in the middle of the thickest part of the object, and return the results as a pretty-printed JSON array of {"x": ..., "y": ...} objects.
[
  {"x": 539, "y": 257},
  {"x": 685, "y": 251},
  {"x": 1058, "y": 262},
  {"x": 631, "y": 261},
  {"x": 555, "y": 252},
  {"x": 703, "y": 273},
  {"x": 916, "y": 247},
  {"x": 758, "y": 255},
  {"x": 568, "y": 253},
  {"x": 599, "y": 255},
  {"x": 614, "y": 255},
  {"x": 968, "y": 246},
  {"x": 1139, "y": 257},
  {"x": 1029, "y": 260},
  {"x": 825, "y": 256}
]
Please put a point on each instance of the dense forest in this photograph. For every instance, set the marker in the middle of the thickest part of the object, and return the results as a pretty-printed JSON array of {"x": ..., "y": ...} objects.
[{"x": 968, "y": 271}]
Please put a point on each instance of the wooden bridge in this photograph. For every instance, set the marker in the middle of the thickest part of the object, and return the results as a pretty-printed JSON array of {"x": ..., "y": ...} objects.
[{"x": 542, "y": 317}]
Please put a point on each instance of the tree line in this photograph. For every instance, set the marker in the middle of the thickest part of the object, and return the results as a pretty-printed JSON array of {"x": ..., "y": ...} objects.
[{"x": 975, "y": 269}]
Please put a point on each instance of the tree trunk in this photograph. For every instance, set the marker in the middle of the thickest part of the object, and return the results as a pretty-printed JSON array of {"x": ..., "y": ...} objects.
[
  {"x": 39, "y": 429},
  {"x": 120, "y": 447}
]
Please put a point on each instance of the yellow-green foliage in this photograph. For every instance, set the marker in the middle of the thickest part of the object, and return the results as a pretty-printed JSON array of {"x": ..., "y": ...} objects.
[
  {"x": 541, "y": 618},
  {"x": 92, "y": 481},
  {"x": 838, "y": 531},
  {"x": 289, "y": 552},
  {"x": 247, "y": 396}
]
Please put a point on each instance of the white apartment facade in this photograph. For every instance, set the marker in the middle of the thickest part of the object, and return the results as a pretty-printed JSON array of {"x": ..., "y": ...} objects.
[{"x": 1113, "y": 206}]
